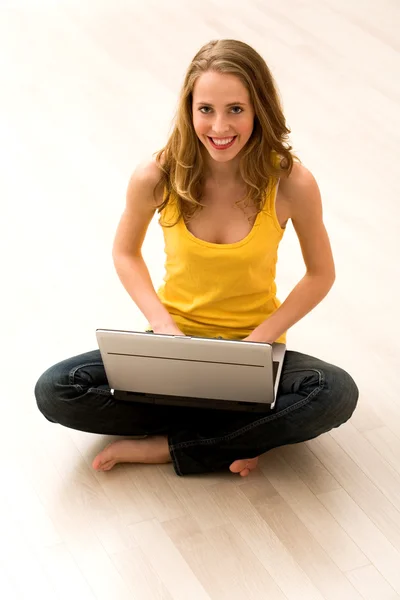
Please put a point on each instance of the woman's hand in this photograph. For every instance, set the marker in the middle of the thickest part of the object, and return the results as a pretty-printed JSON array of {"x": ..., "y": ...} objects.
[
  {"x": 168, "y": 329},
  {"x": 259, "y": 335}
]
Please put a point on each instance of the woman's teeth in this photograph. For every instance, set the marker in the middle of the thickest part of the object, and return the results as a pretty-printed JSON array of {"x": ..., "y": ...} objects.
[{"x": 222, "y": 143}]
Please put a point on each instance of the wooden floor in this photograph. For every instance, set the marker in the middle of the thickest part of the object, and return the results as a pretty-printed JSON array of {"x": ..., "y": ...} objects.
[{"x": 89, "y": 89}]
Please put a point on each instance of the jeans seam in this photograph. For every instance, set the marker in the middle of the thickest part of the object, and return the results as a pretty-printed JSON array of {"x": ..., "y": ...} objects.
[
  {"x": 175, "y": 460},
  {"x": 71, "y": 374},
  {"x": 250, "y": 426},
  {"x": 99, "y": 391}
]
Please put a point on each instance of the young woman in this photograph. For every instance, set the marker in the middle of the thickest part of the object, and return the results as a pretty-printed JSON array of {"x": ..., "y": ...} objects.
[{"x": 225, "y": 186}]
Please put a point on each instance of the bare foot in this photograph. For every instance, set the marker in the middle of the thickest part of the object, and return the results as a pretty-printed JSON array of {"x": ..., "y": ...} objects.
[
  {"x": 244, "y": 466},
  {"x": 152, "y": 449}
]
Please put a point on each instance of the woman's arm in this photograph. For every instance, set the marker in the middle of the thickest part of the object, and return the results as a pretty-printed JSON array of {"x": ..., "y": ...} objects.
[
  {"x": 304, "y": 199},
  {"x": 129, "y": 264}
]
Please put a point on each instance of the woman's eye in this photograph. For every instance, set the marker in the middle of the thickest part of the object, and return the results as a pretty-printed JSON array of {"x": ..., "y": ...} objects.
[{"x": 237, "y": 110}]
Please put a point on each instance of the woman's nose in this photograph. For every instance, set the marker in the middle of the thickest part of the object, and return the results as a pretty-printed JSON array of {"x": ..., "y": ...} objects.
[{"x": 221, "y": 126}]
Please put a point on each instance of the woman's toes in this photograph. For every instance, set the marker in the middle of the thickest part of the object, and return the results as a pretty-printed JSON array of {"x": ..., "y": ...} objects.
[
  {"x": 238, "y": 465},
  {"x": 97, "y": 463},
  {"x": 101, "y": 459},
  {"x": 244, "y": 466},
  {"x": 107, "y": 465}
]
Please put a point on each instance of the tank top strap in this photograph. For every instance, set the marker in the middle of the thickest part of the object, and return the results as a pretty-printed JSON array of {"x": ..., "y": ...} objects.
[
  {"x": 170, "y": 212},
  {"x": 270, "y": 196}
]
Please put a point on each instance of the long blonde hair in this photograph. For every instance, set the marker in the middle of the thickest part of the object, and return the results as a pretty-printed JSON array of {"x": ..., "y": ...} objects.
[{"x": 181, "y": 161}]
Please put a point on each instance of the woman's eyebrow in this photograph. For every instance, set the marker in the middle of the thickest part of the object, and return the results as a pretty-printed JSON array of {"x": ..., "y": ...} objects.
[{"x": 230, "y": 104}]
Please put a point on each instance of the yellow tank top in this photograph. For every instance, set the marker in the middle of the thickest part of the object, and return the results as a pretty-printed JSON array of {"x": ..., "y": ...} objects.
[{"x": 221, "y": 290}]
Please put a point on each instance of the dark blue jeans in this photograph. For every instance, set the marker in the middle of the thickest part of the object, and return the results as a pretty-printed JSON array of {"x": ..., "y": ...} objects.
[{"x": 314, "y": 397}]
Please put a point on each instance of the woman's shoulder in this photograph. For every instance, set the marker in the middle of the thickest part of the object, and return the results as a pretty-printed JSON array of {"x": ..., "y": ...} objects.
[
  {"x": 299, "y": 194},
  {"x": 147, "y": 177},
  {"x": 148, "y": 171},
  {"x": 298, "y": 183}
]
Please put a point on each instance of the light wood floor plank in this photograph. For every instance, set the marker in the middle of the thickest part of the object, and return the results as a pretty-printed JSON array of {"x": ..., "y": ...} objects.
[
  {"x": 161, "y": 498},
  {"x": 325, "y": 529},
  {"x": 385, "y": 477},
  {"x": 166, "y": 560},
  {"x": 371, "y": 584},
  {"x": 262, "y": 540},
  {"x": 387, "y": 444},
  {"x": 195, "y": 497},
  {"x": 359, "y": 487},
  {"x": 236, "y": 574},
  {"x": 142, "y": 579},
  {"x": 307, "y": 466},
  {"x": 308, "y": 553},
  {"x": 373, "y": 543}
]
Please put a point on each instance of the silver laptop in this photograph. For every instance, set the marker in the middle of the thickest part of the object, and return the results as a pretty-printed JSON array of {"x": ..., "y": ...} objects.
[{"x": 191, "y": 371}]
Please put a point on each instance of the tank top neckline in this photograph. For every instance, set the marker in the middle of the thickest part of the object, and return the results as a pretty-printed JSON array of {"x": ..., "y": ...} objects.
[
  {"x": 237, "y": 244},
  {"x": 250, "y": 235}
]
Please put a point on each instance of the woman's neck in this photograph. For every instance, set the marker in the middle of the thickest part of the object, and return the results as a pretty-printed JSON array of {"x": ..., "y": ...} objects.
[{"x": 222, "y": 174}]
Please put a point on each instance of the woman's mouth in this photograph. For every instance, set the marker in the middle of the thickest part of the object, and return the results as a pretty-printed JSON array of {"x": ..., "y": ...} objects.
[{"x": 222, "y": 143}]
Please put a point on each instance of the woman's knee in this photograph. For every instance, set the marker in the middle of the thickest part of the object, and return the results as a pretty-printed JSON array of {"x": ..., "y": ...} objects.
[
  {"x": 342, "y": 394},
  {"x": 64, "y": 384},
  {"x": 46, "y": 393}
]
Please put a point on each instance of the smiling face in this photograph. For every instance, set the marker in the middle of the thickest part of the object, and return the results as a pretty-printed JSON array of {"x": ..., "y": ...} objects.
[{"x": 223, "y": 115}]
